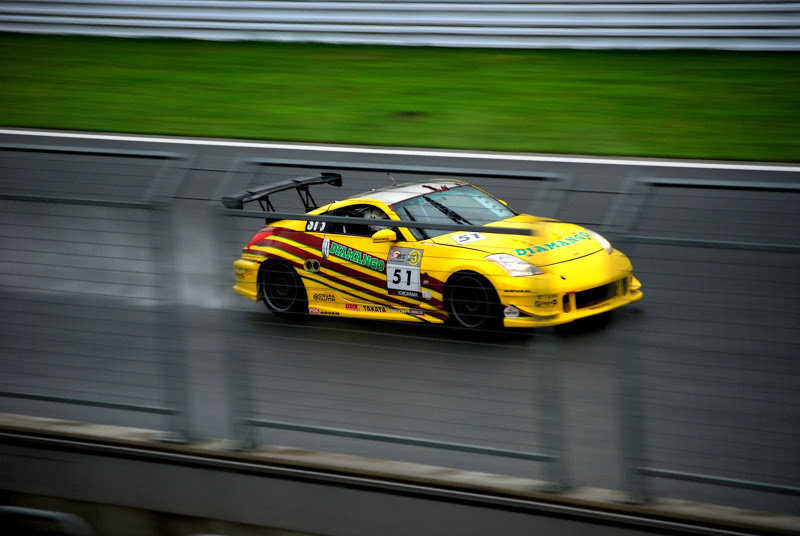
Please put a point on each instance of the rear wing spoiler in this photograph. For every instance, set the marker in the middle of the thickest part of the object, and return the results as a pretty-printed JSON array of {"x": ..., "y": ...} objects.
[{"x": 262, "y": 193}]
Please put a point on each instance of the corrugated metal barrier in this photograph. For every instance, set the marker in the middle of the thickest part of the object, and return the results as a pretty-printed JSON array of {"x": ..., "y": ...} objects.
[{"x": 651, "y": 24}]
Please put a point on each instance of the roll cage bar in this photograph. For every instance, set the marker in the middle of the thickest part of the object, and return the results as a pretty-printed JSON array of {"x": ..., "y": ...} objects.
[{"x": 262, "y": 193}]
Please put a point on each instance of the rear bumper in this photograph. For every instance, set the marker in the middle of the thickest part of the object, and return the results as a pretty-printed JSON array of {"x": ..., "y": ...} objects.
[{"x": 246, "y": 274}]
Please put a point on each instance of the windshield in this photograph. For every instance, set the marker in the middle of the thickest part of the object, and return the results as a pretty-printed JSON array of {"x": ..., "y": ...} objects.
[{"x": 465, "y": 205}]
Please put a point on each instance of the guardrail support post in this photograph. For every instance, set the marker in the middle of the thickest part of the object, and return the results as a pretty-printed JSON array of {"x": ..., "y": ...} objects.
[
  {"x": 631, "y": 427},
  {"x": 173, "y": 358},
  {"x": 550, "y": 391}
]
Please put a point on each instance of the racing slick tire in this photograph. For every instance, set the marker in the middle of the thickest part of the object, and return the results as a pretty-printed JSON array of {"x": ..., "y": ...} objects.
[
  {"x": 282, "y": 289},
  {"x": 473, "y": 303}
]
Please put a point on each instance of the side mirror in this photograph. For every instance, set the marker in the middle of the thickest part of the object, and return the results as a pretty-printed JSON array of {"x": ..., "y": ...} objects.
[{"x": 384, "y": 235}]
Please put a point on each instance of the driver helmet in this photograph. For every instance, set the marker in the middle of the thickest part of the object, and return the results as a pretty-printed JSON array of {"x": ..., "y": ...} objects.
[{"x": 373, "y": 213}]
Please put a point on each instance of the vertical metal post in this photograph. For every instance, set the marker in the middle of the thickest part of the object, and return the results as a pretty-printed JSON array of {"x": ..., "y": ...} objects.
[
  {"x": 631, "y": 408},
  {"x": 240, "y": 400},
  {"x": 550, "y": 391},
  {"x": 173, "y": 358},
  {"x": 236, "y": 360}
]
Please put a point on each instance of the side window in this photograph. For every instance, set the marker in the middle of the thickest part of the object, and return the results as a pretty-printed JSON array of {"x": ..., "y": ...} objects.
[{"x": 366, "y": 220}]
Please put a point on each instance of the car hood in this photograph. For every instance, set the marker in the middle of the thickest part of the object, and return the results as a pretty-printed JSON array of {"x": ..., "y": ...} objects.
[{"x": 551, "y": 242}]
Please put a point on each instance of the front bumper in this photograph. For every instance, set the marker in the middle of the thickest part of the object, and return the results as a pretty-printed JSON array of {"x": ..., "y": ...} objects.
[
  {"x": 568, "y": 307},
  {"x": 570, "y": 291}
]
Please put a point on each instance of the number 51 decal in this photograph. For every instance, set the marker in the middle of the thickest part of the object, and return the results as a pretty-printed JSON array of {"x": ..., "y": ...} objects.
[
  {"x": 465, "y": 238},
  {"x": 403, "y": 268}
]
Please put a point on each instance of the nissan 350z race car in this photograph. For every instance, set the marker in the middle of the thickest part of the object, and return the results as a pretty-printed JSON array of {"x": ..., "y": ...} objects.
[{"x": 435, "y": 251}]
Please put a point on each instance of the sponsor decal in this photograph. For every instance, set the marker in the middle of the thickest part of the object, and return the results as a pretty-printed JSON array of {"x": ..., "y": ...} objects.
[
  {"x": 405, "y": 293},
  {"x": 242, "y": 273},
  {"x": 374, "y": 308},
  {"x": 335, "y": 249},
  {"x": 351, "y": 307},
  {"x": 313, "y": 310},
  {"x": 546, "y": 300},
  {"x": 567, "y": 241},
  {"x": 426, "y": 294},
  {"x": 516, "y": 291},
  {"x": 511, "y": 312},
  {"x": 329, "y": 313},
  {"x": 392, "y": 310},
  {"x": 324, "y": 297},
  {"x": 417, "y": 312}
]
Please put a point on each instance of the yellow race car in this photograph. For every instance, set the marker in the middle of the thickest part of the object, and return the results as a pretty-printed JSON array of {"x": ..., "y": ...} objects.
[{"x": 435, "y": 251}]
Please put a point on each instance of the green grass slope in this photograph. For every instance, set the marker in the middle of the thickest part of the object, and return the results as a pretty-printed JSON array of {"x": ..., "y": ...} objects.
[{"x": 688, "y": 104}]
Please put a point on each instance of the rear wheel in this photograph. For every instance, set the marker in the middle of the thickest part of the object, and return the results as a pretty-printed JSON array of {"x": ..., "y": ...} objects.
[
  {"x": 473, "y": 303},
  {"x": 282, "y": 289}
]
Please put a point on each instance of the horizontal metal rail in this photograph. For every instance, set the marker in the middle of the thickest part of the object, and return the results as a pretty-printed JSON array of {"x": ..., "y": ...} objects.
[
  {"x": 275, "y": 216},
  {"x": 729, "y": 482},
  {"x": 754, "y": 25},
  {"x": 402, "y": 168},
  {"x": 91, "y": 403},
  {"x": 78, "y": 201},
  {"x": 724, "y": 185},
  {"x": 401, "y": 440},
  {"x": 165, "y": 183},
  {"x": 63, "y": 149},
  {"x": 718, "y": 244},
  {"x": 622, "y": 217}
]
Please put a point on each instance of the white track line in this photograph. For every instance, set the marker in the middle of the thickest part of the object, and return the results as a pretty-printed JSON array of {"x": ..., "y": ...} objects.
[{"x": 407, "y": 152}]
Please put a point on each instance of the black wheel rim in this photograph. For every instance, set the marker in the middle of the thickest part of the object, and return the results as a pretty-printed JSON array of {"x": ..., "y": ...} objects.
[
  {"x": 279, "y": 288},
  {"x": 471, "y": 304}
]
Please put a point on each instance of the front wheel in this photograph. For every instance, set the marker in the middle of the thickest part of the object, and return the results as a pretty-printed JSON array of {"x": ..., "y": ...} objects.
[
  {"x": 473, "y": 303},
  {"x": 282, "y": 289}
]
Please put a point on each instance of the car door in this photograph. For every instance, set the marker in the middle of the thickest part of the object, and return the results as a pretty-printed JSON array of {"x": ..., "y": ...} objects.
[{"x": 354, "y": 264}]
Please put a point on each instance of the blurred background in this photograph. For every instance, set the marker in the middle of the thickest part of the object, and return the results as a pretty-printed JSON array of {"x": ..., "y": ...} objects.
[{"x": 116, "y": 252}]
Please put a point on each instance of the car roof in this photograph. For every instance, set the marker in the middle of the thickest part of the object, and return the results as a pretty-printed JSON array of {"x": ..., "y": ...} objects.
[{"x": 408, "y": 190}]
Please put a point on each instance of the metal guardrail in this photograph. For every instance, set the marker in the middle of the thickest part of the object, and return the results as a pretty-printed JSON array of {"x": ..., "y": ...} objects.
[
  {"x": 753, "y": 25},
  {"x": 294, "y": 382},
  {"x": 650, "y": 452},
  {"x": 103, "y": 238}
]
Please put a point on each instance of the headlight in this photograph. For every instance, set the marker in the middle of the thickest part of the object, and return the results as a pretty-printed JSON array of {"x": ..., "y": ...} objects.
[
  {"x": 603, "y": 242},
  {"x": 514, "y": 265}
]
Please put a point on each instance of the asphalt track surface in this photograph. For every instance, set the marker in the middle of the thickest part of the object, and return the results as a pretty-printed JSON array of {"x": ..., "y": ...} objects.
[{"x": 739, "y": 387}]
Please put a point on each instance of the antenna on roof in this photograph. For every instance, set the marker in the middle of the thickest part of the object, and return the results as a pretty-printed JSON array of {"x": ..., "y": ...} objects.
[{"x": 393, "y": 182}]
